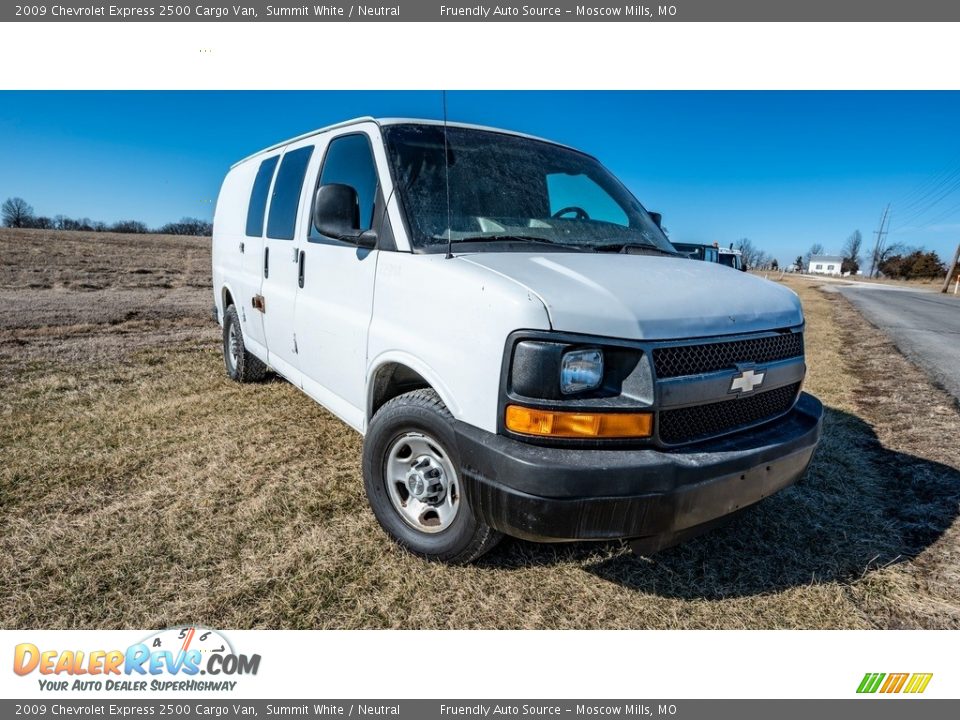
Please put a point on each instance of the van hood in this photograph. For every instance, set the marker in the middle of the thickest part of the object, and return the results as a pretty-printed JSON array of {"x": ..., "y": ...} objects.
[{"x": 645, "y": 297}]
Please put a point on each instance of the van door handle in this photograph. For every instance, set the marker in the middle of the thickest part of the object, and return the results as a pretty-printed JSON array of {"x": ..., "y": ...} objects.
[
  {"x": 266, "y": 262},
  {"x": 300, "y": 271}
]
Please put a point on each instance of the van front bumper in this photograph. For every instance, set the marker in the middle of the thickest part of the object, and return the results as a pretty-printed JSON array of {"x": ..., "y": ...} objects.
[{"x": 660, "y": 496}]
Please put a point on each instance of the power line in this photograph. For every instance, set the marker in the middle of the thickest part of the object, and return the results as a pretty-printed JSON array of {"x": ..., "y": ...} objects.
[
  {"x": 916, "y": 195},
  {"x": 940, "y": 218},
  {"x": 945, "y": 176},
  {"x": 943, "y": 193},
  {"x": 925, "y": 197}
]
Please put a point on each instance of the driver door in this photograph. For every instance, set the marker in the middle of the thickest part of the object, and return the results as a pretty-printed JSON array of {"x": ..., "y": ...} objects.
[{"x": 335, "y": 303}]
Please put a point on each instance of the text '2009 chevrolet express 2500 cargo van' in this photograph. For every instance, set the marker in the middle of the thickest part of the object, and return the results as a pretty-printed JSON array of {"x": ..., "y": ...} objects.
[{"x": 517, "y": 340}]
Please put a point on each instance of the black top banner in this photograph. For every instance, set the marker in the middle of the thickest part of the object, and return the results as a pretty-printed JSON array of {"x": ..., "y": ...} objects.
[{"x": 466, "y": 11}]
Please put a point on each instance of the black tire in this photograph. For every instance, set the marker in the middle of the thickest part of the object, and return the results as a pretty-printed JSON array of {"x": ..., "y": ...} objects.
[
  {"x": 421, "y": 411},
  {"x": 240, "y": 364}
]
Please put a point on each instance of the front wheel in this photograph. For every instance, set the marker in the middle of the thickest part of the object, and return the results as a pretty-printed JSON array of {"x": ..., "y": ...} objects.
[
  {"x": 411, "y": 475},
  {"x": 241, "y": 365}
]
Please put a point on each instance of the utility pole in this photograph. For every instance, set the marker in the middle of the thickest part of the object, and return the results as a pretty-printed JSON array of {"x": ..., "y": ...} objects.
[
  {"x": 879, "y": 243},
  {"x": 952, "y": 271}
]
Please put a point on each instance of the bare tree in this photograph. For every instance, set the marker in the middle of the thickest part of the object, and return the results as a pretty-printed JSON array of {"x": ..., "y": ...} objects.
[
  {"x": 815, "y": 249},
  {"x": 851, "y": 253},
  {"x": 187, "y": 226},
  {"x": 749, "y": 254},
  {"x": 887, "y": 252},
  {"x": 123, "y": 226},
  {"x": 17, "y": 212}
]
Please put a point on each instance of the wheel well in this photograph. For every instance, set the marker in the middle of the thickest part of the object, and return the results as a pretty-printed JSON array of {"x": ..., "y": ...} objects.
[
  {"x": 227, "y": 299},
  {"x": 391, "y": 380}
]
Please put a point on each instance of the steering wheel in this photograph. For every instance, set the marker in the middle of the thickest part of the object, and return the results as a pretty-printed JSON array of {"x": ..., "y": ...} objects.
[{"x": 578, "y": 212}]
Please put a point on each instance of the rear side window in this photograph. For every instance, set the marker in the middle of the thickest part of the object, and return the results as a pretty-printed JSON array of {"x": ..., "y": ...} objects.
[
  {"x": 286, "y": 193},
  {"x": 258, "y": 197},
  {"x": 349, "y": 161}
]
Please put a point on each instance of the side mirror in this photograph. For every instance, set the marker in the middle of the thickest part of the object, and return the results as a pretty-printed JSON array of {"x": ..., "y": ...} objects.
[
  {"x": 367, "y": 239},
  {"x": 336, "y": 212},
  {"x": 657, "y": 218}
]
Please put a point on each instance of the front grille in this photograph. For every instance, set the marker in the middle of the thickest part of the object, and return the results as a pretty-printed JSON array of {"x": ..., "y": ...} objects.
[
  {"x": 710, "y": 357},
  {"x": 687, "y": 424}
]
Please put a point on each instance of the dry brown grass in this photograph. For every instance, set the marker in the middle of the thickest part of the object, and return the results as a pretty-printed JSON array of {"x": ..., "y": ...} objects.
[
  {"x": 924, "y": 284},
  {"x": 140, "y": 488},
  {"x": 916, "y": 283}
]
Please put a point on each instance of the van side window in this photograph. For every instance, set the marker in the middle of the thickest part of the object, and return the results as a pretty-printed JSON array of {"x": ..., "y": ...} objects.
[
  {"x": 258, "y": 197},
  {"x": 349, "y": 161},
  {"x": 286, "y": 194}
]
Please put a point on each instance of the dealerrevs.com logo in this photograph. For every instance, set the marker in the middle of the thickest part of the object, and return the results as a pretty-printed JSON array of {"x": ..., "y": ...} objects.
[{"x": 178, "y": 659}]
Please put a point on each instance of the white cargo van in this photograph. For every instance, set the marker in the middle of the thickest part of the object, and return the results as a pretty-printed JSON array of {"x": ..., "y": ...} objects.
[{"x": 520, "y": 345}]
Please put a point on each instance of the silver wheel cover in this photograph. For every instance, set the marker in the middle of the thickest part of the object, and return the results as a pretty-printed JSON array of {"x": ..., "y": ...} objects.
[{"x": 422, "y": 483}]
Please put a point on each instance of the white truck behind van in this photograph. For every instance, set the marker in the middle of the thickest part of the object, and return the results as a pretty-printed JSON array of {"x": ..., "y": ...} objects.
[{"x": 518, "y": 342}]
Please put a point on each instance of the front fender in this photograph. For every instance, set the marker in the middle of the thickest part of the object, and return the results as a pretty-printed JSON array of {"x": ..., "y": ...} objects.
[{"x": 429, "y": 374}]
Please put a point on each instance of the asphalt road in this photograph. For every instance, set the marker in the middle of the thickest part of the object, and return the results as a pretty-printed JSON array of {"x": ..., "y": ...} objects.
[{"x": 925, "y": 326}]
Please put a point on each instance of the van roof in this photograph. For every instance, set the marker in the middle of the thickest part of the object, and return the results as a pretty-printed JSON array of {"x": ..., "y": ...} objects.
[{"x": 393, "y": 121}]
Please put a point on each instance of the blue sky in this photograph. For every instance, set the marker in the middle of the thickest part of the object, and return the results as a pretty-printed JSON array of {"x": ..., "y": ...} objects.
[{"x": 786, "y": 169}]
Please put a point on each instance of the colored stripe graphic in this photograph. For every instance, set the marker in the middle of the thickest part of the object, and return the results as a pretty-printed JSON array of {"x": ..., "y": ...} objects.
[
  {"x": 894, "y": 683},
  {"x": 918, "y": 682},
  {"x": 870, "y": 682}
]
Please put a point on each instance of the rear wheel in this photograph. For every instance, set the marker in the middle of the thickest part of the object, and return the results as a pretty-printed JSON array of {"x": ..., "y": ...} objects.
[
  {"x": 411, "y": 472},
  {"x": 240, "y": 364}
]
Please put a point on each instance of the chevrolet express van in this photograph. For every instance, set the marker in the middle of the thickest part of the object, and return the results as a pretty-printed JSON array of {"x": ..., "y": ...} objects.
[{"x": 520, "y": 345}]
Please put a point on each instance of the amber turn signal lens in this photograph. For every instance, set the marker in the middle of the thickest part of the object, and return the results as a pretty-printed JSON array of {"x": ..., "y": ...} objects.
[{"x": 553, "y": 423}]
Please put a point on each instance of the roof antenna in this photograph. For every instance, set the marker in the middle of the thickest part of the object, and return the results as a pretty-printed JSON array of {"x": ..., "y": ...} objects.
[{"x": 446, "y": 175}]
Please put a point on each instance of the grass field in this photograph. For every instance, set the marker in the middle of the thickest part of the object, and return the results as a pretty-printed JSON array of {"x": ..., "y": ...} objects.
[{"x": 140, "y": 488}]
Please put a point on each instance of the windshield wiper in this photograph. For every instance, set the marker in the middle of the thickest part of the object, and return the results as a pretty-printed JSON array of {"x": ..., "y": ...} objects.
[
  {"x": 507, "y": 238},
  {"x": 633, "y": 249}
]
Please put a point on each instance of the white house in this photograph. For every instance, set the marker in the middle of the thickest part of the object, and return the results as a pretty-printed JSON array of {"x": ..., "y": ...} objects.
[{"x": 825, "y": 264}]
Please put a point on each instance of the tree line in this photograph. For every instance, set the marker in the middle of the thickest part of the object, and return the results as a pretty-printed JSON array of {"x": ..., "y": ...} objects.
[
  {"x": 753, "y": 257},
  {"x": 18, "y": 213},
  {"x": 893, "y": 260}
]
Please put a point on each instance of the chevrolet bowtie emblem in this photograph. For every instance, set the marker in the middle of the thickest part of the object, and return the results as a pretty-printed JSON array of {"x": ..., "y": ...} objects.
[{"x": 746, "y": 381}]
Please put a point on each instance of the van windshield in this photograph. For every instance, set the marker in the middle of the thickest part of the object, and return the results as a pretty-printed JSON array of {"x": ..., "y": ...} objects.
[{"x": 510, "y": 190}]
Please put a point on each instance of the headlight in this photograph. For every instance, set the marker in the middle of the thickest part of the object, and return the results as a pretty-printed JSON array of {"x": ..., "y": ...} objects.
[{"x": 581, "y": 370}]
